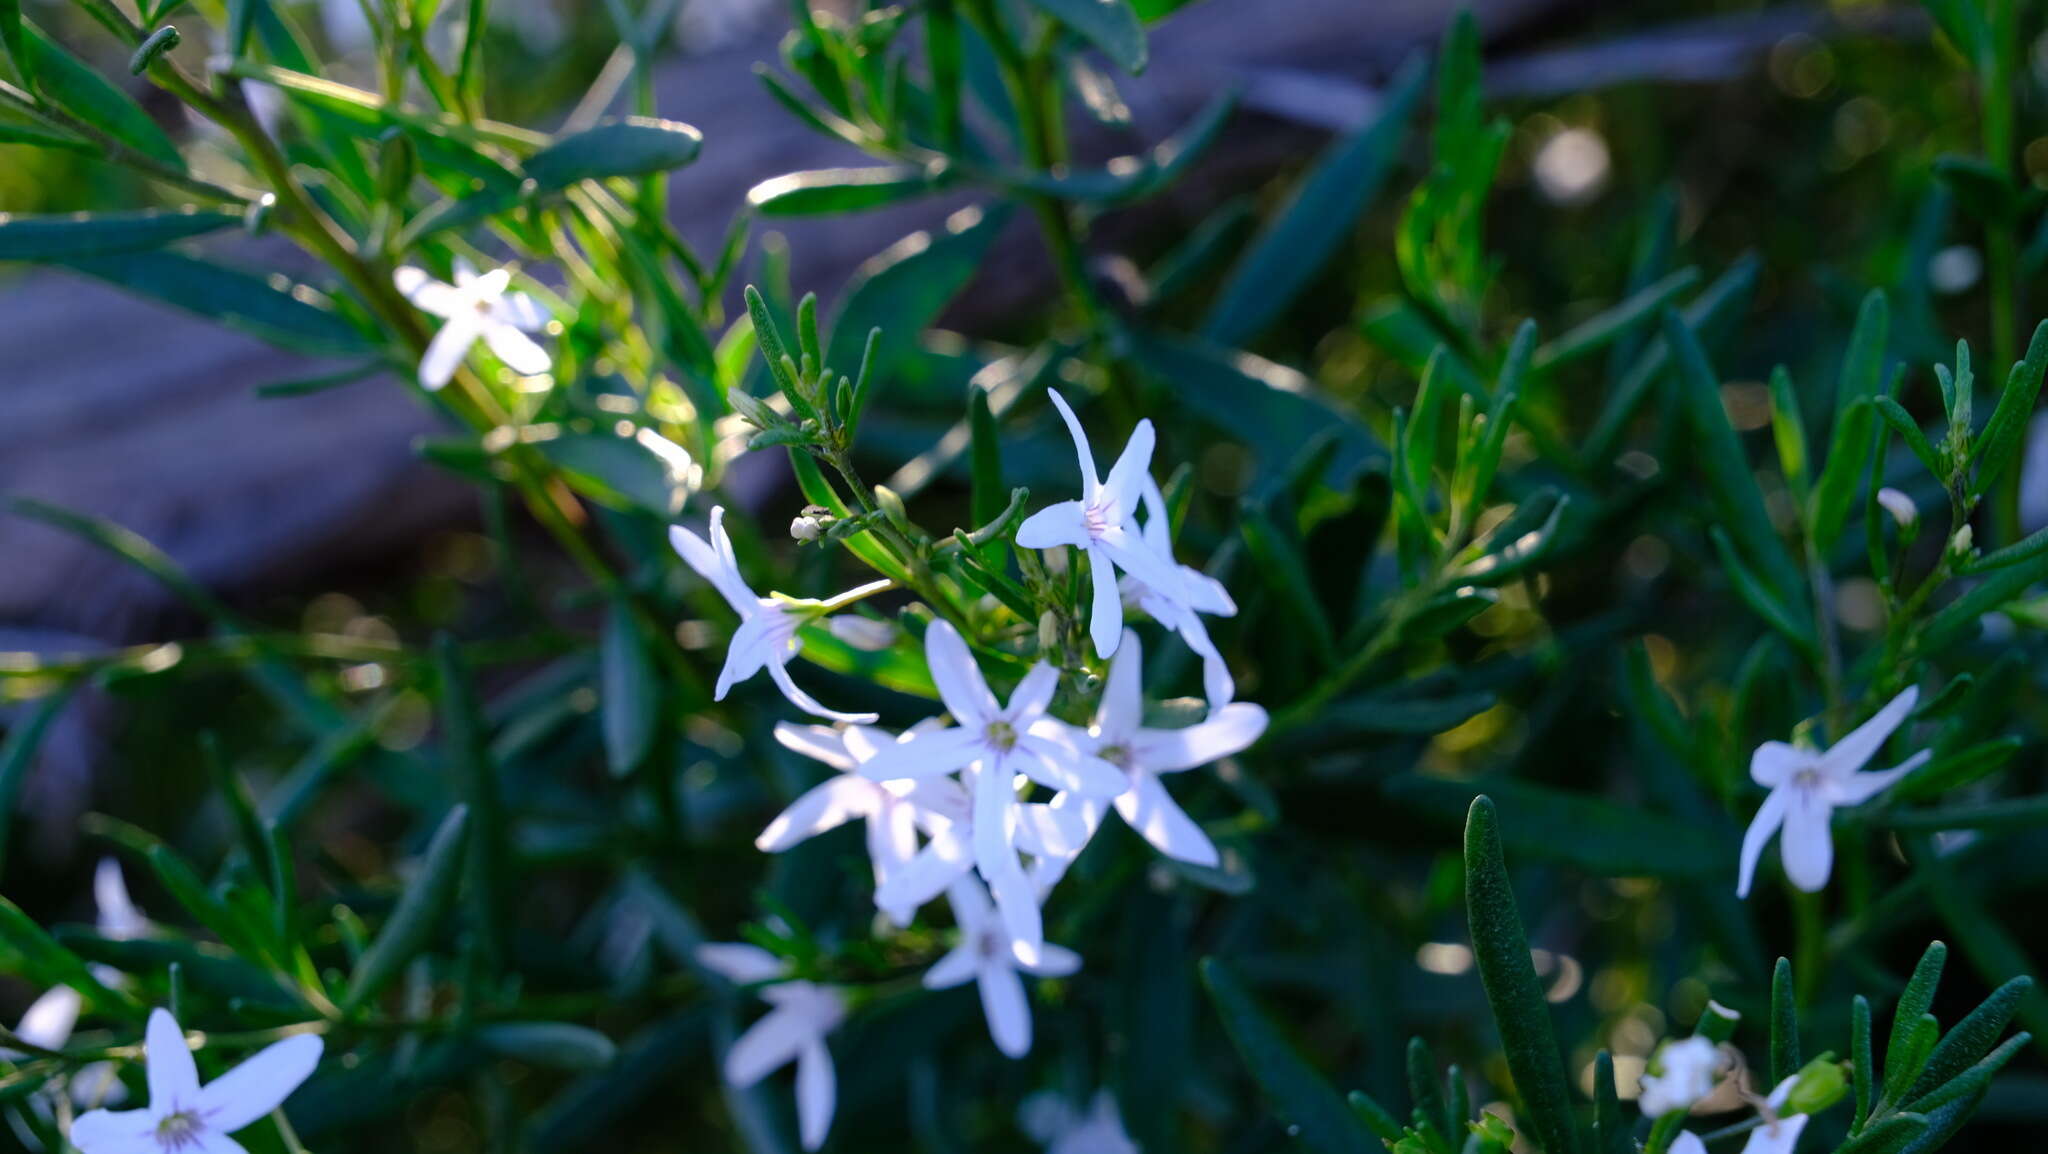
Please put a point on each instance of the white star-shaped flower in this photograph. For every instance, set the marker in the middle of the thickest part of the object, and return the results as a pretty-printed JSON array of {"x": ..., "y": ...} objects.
[
  {"x": 1102, "y": 522},
  {"x": 1120, "y": 738},
  {"x": 945, "y": 812},
  {"x": 1062, "y": 1129},
  {"x": 891, "y": 809},
  {"x": 1778, "y": 1134},
  {"x": 767, "y": 636},
  {"x": 992, "y": 958},
  {"x": 1681, "y": 1073},
  {"x": 1002, "y": 740},
  {"x": 1180, "y": 608},
  {"x": 476, "y": 308},
  {"x": 1808, "y": 786},
  {"x": 794, "y": 1029},
  {"x": 49, "y": 1020},
  {"x": 182, "y": 1116}
]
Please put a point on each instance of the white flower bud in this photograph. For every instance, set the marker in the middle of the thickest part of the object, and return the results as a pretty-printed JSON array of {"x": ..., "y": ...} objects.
[
  {"x": 1901, "y": 507},
  {"x": 863, "y": 633},
  {"x": 805, "y": 529},
  {"x": 1963, "y": 543}
]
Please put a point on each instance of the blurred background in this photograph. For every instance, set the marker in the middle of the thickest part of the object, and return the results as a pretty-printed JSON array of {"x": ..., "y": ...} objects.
[{"x": 1802, "y": 133}]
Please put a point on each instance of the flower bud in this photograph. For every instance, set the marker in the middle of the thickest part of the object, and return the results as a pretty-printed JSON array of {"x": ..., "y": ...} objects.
[
  {"x": 1818, "y": 1085},
  {"x": 1902, "y": 509},
  {"x": 1718, "y": 1022},
  {"x": 1964, "y": 543},
  {"x": 811, "y": 524}
]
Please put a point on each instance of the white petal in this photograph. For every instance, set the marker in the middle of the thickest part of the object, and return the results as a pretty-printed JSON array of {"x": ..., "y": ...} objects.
[
  {"x": 119, "y": 919},
  {"x": 1217, "y": 683},
  {"x": 1106, "y": 616},
  {"x": 1159, "y": 574},
  {"x": 491, "y": 285},
  {"x": 739, "y": 962},
  {"x": 943, "y": 861},
  {"x": 1055, "y": 962},
  {"x": 1123, "y": 486},
  {"x": 260, "y": 1083},
  {"x": 1009, "y": 1013},
  {"x": 50, "y": 1018},
  {"x": 1016, "y": 898},
  {"x": 214, "y": 1142},
  {"x": 778, "y": 671},
  {"x": 817, "y": 1092},
  {"x": 825, "y": 806},
  {"x": 957, "y": 677},
  {"x": 1205, "y": 593},
  {"x": 752, "y": 646},
  {"x": 1122, "y": 707},
  {"x": 426, "y": 293},
  {"x": 817, "y": 742},
  {"x": 173, "y": 1077},
  {"x": 1081, "y": 450},
  {"x": 714, "y": 565},
  {"x": 958, "y": 967},
  {"x": 1032, "y": 695},
  {"x": 970, "y": 905},
  {"x": 109, "y": 1132},
  {"x": 1769, "y": 816},
  {"x": 1778, "y": 1138},
  {"x": 771, "y": 1044},
  {"x": 517, "y": 350},
  {"x": 931, "y": 754},
  {"x": 1055, "y": 525},
  {"x": 1807, "y": 844},
  {"x": 1858, "y": 788},
  {"x": 1774, "y": 763},
  {"x": 446, "y": 351},
  {"x": 522, "y": 311},
  {"x": 1228, "y": 730},
  {"x": 1060, "y": 768},
  {"x": 1688, "y": 1142},
  {"x": 1057, "y": 830},
  {"x": 465, "y": 272},
  {"x": 1157, "y": 818},
  {"x": 1854, "y": 751}
]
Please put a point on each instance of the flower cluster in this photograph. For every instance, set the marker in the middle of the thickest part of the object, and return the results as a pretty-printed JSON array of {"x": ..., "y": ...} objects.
[{"x": 990, "y": 804}]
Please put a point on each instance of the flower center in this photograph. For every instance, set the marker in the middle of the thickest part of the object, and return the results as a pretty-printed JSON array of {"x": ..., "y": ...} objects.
[
  {"x": 1096, "y": 519},
  {"x": 178, "y": 1131},
  {"x": 1116, "y": 755},
  {"x": 1002, "y": 735},
  {"x": 1807, "y": 779}
]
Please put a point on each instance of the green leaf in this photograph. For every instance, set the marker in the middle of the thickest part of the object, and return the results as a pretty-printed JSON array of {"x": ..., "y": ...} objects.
[
  {"x": 96, "y": 234},
  {"x": 1758, "y": 596},
  {"x": 1311, "y": 229},
  {"x": 1785, "y": 1053},
  {"x": 465, "y": 744},
  {"x": 1715, "y": 308},
  {"x": 1788, "y": 430},
  {"x": 1843, "y": 475},
  {"x": 2004, "y": 816},
  {"x": 11, "y": 40},
  {"x": 1862, "y": 1062},
  {"x": 1518, "y": 543},
  {"x": 1319, "y": 1119},
  {"x": 1110, "y": 25},
  {"x": 1610, "y": 1134},
  {"x": 902, "y": 290},
  {"x": 1130, "y": 178},
  {"x": 556, "y": 1045},
  {"x": 828, "y": 191},
  {"x": 1998, "y": 447},
  {"x": 1721, "y": 458},
  {"x": 1955, "y": 770},
  {"x": 985, "y": 456},
  {"x": 632, "y": 146},
  {"x": 1610, "y": 324},
  {"x": 621, "y": 472},
  {"x": 38, "y": 958},
  {"x": 292, "y": 316},
  {"x": 1902, "y": 423},
  {"x": 420, "y": 913},
  {"x": 1513, "y": 991},
  {"x": 1890, "y": 1136},
  {"x": 1989, "y": 595},
  {"x": 1972, "y": 1038},
  {"x": 629, "y": 692},
  {"x": 72, "y": 85},
  {"x": 1279, "y": 559},
  {"x": 18, "y": 752}
]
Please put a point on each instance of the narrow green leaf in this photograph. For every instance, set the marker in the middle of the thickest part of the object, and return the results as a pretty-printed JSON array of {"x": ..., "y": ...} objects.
[
  {"x": 11, "y": 40},
  {"x": 1608, "y": 838},
  {"x": 1788, "y": 430},
  {"x": 1843, "y": 474},
  {"x": 1375, "y": 1116},
  {"x": 985, "y": 453},
  {"x": 627, "y": 473},
  {"x": 1310, "y": 230},
  {"x": 1891, "y": 1136},
  {"x": 1110, "y": 25},
  {"x": 1513, "y": 991},
  {"x": 44, "y": 962},
  {"x": 96, "y": 234},
  {"x": 1971, "y": 1039},
  {"x": 1998, "y": 446},
  {"x": 1280, "y": 560},
  {"x": 1425, "y": 1094},
  {"x": 1955, "y": 770},
  {"x": 829, "y": 191},
  {"x": 420, "y": 914},
  {"x": 1611, "y": 1135},
  {"x": 632, "y": 146},
  {"x": 72, "y": 85},
  {"x": 18, "y": 754},
  {"x": 1715, "y": 308},
  {"x": 629, "y": 692},
  {"x": 1862, "y": 1061},
  {"x": 293, "y": 316},
  {"x": 1998, "y": 816},
  {"x": 556, "y": 1045},
  {"x": 1751, "y": 588},
  {"x": 1610, "y": 324},
  {"x": 1319, "y": 1119},
  {"x": 1909, "y": 431},
  {"x": 465, "y": 742},
  {"x": 1785, "y": 1054}
]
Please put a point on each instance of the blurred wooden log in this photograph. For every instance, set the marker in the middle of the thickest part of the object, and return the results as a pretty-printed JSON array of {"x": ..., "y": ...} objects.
[{"x": 135, "y": 412}]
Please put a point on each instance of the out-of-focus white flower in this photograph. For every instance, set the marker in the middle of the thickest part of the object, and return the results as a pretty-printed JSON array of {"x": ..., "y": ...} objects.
[
  {"x": 1000, "y": 740},
  {"x": 1103, "y": 523},
  {"x": 183, "y": 1116},
  {"x": 476, "y": 308},
  {"x": 1062, "y": 1129},
  {"x": 890, "y": 808},
  {"x": 1806, "y": 789},
  {"x": 1119, "y": 737},
  {"x": 48, "y": 1021},
  {"x": 863, "y": 633},
  {"x": 119, "y": 919},
  {"x": 1180, "y": 609},
  {"x": 1779, "y": 1134},
  {"x": 1688, "y": 1142},
  {"x": 992, "y": 958},
  {"x": 1681, "y": 1073},
  {"x": 794, "y": 1029},
  {"x": 767, "y": 636},
  {"x": 1900, "y": 506}
]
